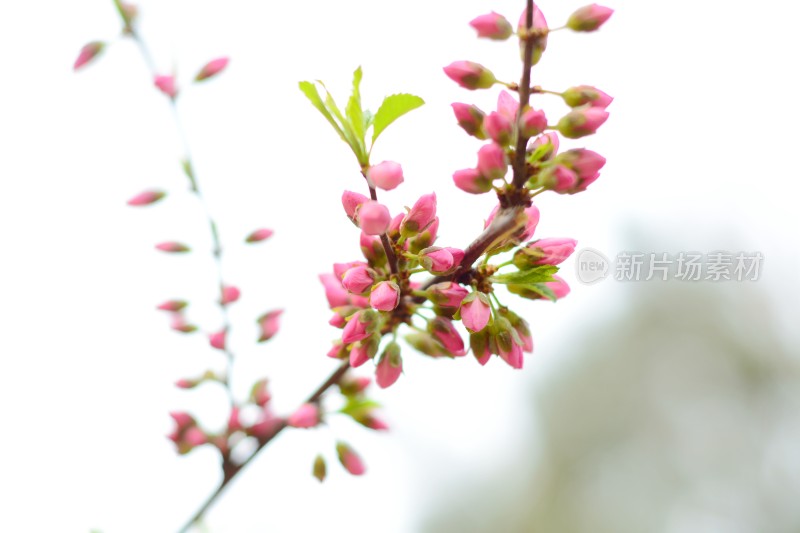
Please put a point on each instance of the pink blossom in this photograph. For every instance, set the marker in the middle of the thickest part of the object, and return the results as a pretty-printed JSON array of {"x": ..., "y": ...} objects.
[
  {"x": 559, "y": 287},
  {"x": 385, "y": 296},
  {"x": 269, "y": 324},
  {"x": 356, "y": 328},
  {"x": 306, "y": 416},
  {"x": 444, "y": 331},
  {"x": 511, "y": 354},
  {"x": 358, "y": 279},
  {"x": 166, "y": 84},
  {"x": 420, "y": 216},
  {"x": 387, "y": 175},
  {"x": 559, "y": 179},
  {"x": 533, "y": 122},
  {"x": 492, "y": 161},
  {"x": 492, "y": 26},
  {"x": 447, "y": 294},
  {"x": 436, "y": 260},
  {"x": 359, "y": 354},
  {"x": 470, "y": 180},
  {"x": 551, "y": 251},
  {"x": 498, "y": 128},
  {"x": 351, "y": 201},
  {"x": 507, "y": 106},
  {"x": 212, "y": 68},
  {"x": 589, "y": 18},
  {"x": 389, "y": 367},
  {"x": 146, "y": 198},
  {"x": 470, "y": 118},
  {"x": 373, "y": 218},
  {"x": 470, "y": 75},
  {"x": 475, "y": 312}
]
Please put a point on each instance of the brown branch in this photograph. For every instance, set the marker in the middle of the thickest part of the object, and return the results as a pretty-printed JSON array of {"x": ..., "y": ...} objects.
[
  {"x": 391, "y": 257},
  {"x": 520, "y": 174}
]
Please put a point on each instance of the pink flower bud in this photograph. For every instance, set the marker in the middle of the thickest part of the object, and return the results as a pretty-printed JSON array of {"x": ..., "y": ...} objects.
[
  {"x": 533, "y": 122},
  {"x": 470, "y": 118},
  {"x": 259, "y": 394},
  {"x": 166, "y": 84},
  {"x": 373, "y": 218},
  {"x": 426, "y": 238},
  {"x": 351, "y": 201},
  {"x": 444, "y": 331},
  {"x": 336, "y": 294},
  {"x": 372, "y": 249},
  {"x": 230, "y": 294},
  {"x": 337, "y": 321},
  {"x": 585, "y": 94},
  {"x": 520, "y": 327},
  {"x": 470, "y": 180},
  {"x": 88, "y": 53},
  {"x": 269, "y": 324},
  {"x": 558, "y": 178},
  {"x": 194, "y": 437},
  {"x": 386, "y": 175},
  {"x": 470, "y": 75},
  {"x": 146, "y": 198},
  {"x": 492, "y": 161},
  {"x": 540, "y": 25},
  {"x": 306, "y": 416},
  {"x": 217, "y": 340},
  {"x": 172, "y": 247},
  {"x": 373, "y": 422},
  {"x": 390, "y": 366},
  {"x": 532, "y": 220},
  {"x": 186, "y": 383},
  {"x": 179, "y": 324},
  {"x": 358, "y": 280},
  {"x": 359, "y": 354},
  {"x": 337, "y": 351},
  {"x": 498, "y": 128},
  {"x": 585, "y": 163},
  {"x": 259, "y": 235},
  {"x": 457, "y": 253},
  {"x": 436, "y": 260},
  {"x": 559, "y": 287},
  {"x": 512, "y": 355},
  {"x": 234, "y": 423},
  {"x": 212, "y": 68},
  {"x": 446, "y": 294},
  {"x": 172, "y": 305},
  {"x": 589, "y": 18},
  {"x": 544, "y": 252},
  {"x": 581, "y": 122},
  {"x": 357, "y": 327},
  {"x": 550, "y": 141},
  {"x": 507, "y": 106},
  {"x": 475, "y": 312},
  {"x": 349, "y": 459},
  {"x": 492, "y": 26},
  {"x": 385, "y": 296},
  {"x": 339, "y": 269},
  {"x": 479, "y": 344},
  {"x": 420, "y": 216},
  {"x": 352, "y": 385}
]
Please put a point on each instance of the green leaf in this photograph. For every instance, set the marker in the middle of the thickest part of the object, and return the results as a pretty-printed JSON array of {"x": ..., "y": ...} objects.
[
  {"x": 525, "y": 291},
  {"x": 349, "y": 134},
  {"x": 310, "y": 90},
  {"x": 539, "y": 274},
  {"x": 357, "y": 407},
  {"x": 392, "y": 108},
  {"x": 354, "y": 112}
]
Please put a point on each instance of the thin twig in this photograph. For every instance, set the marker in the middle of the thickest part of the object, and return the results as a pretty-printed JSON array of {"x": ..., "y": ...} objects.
[{"x": 520, "y": 176}]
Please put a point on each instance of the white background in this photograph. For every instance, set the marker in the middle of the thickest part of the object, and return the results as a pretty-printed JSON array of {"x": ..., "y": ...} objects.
[{"x": 701, "y": 146}]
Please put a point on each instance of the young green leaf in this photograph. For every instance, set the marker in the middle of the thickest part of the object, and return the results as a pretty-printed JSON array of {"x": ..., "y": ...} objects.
[
  {"x": 354, "y": 112},
  {"x": 392, "y": 108},
  {"x": 310, "y": 90},
  {"x": 539, "y": 274}
]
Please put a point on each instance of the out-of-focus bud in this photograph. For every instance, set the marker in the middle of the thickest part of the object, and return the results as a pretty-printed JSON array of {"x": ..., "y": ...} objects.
[
  {"x": 426, "y": 343},
  {"x": 230, "y": 294},
  {"x": 172, "y": 306},
  {"x": 372, "y": 249},
  {"x": 520, "y": 326},
  {"x": 492, "y": 26},
  {"x": 259, "y": 394},
  {"x": 217, "y": 340},
  {"x": 390, "y": 366},
  {"x": 360, "y": 326},
  {"x": 581, "y": 122},
  {"x": 89, "y": 52},
  {"x": 179, "y": 324},
  {"x": 306, "y": 416},
  {"x": 470, "y": 118},
  {"x": 507, "y": 106},
  {"x": 319, "y": 469},
  {"x": 359, "y": 353},
  {"x": 426, "y": 238},
  {"x": 499, "y": 128},
  {"x": 551, "y": 251},
  {"x": 338, "y": 350},
  {"x": 350, "y": 459},
  {"x": 353, "y": 385},
  {"x": 358, "y": 279},
  {"x": 385, "y": 296},
  {"x": 589, "y": 18},
  {"x": 259, "y": 235},
  {"x": 585, "y": 164},
  {"x": 472, "y": 181},
  {"x": 507, "y": 342},
  {"x": 446, "y": 294},
  {"x": 539, "y": 26},
  {"x": 420, "y": 216},
  {"x": 479, "y": 343},
  {"x": 585, "y": 94},
  {"x": 470, "y": 75},
  {"x": 436, "y": 260},
  {"x": 557, "y": 178},
  {"x": 166, "y": 84},
  {"x": 557, "y": 289},
  {"x": 212, "y": 68},
  {"x": 492, "y": 161},
  {"x": 269, "y": 323},
  {"x": 351, "y": 201},
  {"x": 172, "y": 247},
  {"x": 531, "y": 221},
  {"x": 446, "y": 333},
  {"x": 387, "y": 175},
  {"x": 533, "y": 122},
  {"x": 234, "y": 422},
  {"x": 336, "y": 294},
  {"x": 475, "y": 311},
  {"x": 373, "y": 218},
  {"x": 146, "y": 198}
]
